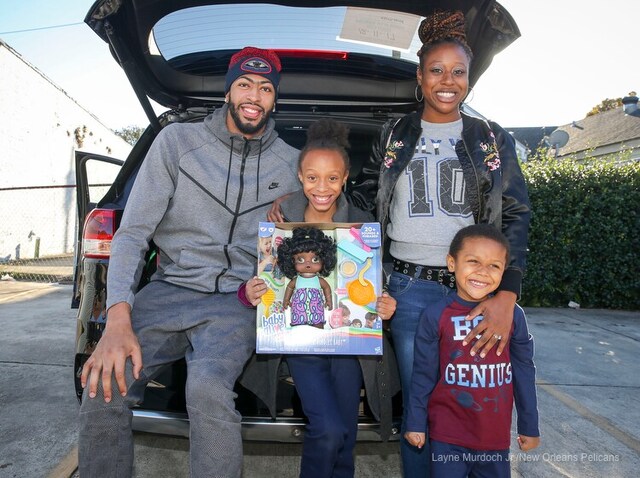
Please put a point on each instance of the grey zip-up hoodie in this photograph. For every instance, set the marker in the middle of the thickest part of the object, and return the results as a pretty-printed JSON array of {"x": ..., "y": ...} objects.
[{"x": 200, "y": 195}]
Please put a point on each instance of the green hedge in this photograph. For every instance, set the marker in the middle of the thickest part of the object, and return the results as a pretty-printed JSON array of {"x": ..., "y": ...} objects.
[{"x": 583, "y": 240}]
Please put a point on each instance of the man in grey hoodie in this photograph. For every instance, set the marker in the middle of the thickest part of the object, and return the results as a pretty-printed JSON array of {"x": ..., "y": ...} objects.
[{"x": 200, "y": 194}]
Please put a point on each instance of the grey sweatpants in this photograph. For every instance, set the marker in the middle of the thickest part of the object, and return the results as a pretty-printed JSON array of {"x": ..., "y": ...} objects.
[{"x": 216, "y": 335}]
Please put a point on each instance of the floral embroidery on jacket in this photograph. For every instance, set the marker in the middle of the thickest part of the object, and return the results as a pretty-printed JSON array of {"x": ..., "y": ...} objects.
[
  {"x": 391, "y": 153},
  {"x": 491, "y": 155}
]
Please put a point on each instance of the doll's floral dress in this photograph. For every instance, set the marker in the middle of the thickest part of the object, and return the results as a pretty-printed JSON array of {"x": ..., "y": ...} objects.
[{"x": 307, "y": 302}]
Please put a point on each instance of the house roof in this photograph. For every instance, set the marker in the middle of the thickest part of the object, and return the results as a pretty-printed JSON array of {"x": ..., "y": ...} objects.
[{"x": 602, "y": 129}]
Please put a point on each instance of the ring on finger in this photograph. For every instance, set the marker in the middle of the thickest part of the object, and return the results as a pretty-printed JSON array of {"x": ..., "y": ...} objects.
[{"x": 497, "y": 337}]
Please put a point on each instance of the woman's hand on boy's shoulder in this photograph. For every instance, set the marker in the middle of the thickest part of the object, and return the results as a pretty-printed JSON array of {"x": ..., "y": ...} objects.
[{"x": 495, "y": 327}]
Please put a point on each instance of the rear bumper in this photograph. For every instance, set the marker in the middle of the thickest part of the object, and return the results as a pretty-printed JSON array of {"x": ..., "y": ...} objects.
[{"x": 253, "y": 429}]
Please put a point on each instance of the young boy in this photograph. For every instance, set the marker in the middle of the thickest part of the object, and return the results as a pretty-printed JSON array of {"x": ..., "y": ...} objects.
[{"x": 464, "y": 402}]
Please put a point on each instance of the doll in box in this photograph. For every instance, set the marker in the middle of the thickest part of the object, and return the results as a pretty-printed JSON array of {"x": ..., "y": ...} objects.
[{"x": 306, "y": 258}]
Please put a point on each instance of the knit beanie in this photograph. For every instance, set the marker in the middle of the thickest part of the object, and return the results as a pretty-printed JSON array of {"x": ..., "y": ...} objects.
[{"x": 254, "y": 61}]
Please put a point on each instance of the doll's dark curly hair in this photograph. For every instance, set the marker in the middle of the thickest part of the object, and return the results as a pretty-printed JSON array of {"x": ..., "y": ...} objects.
[{"x": 307, "y": 239}]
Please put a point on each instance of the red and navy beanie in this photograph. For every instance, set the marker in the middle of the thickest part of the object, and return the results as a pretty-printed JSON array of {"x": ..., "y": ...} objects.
[{"x": 254, "y": 61}]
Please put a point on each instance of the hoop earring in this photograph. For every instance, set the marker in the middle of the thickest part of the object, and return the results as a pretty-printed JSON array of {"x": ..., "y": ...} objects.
[{"x": 415, "y": 93}]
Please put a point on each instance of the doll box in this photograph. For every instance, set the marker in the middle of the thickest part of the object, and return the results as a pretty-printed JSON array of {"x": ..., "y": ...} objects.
[{"x": 351, "y": 327}]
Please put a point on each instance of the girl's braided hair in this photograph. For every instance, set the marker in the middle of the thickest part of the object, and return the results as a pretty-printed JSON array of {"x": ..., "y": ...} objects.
[
  {"x": 307, "y": 239},
  {"x": 443, "y": 27}
]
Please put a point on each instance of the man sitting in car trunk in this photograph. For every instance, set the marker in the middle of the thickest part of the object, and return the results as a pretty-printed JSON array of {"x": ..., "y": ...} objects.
[{"x": 199, "y": 195}]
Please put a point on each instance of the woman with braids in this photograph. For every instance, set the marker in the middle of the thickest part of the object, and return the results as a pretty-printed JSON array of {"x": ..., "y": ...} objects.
[
  {"x": 328, "y": 385},
  {"x": 432, "y": 173}
]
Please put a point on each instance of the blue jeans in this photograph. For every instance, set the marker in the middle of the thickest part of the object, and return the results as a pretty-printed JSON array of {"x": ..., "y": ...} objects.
[
  {"x": 329, "y": 389},
  {"x": 413, "y": 296}
]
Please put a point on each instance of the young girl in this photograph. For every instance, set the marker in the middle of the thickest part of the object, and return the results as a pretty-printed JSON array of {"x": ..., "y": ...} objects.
[
  {"x": 465, "y": 401},
  {"x": 329, "y": 385}
]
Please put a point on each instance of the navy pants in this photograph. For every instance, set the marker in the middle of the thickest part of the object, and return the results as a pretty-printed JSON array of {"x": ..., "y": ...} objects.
[
  {"x": 453, "y": 461},
  {"x": 329, "y": 389}
]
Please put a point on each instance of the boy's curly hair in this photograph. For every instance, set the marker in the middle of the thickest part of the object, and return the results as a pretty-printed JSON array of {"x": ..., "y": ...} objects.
[{"x": 307, "y": 239}]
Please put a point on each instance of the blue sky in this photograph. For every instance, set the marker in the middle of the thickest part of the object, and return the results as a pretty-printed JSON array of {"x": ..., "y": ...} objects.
[{"x": 570, "y": 57}]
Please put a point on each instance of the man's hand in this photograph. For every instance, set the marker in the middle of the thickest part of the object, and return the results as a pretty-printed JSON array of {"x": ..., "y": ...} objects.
[
  {"x": 528, "y": 443},
  {"x": 255, "y": 289},
  {"x": 275, "y": 213},
  {"x": 118, "y": 342},
  {"x": 495, "y": 327},
  {"x": 417, "y": 439}
]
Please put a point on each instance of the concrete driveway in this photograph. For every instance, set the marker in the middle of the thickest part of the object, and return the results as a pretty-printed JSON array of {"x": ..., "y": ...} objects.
[
  {"x": 37, "y": 411},
  {"x": 588, "y": 388}
]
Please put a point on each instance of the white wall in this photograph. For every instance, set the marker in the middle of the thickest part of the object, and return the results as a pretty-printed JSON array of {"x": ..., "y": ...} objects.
[{"x": 41, "y": 127}]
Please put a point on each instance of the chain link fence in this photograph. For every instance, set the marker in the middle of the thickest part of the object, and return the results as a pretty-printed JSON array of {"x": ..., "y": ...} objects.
[
  {"x": 38, "y": 227},
  {"x": 46, "y": 269}
]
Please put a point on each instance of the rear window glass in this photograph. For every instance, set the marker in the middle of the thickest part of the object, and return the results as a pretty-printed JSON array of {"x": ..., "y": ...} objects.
[{"x": 231, "y": 27}]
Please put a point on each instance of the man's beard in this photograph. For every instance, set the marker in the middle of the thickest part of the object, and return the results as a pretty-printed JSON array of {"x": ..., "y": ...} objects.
[{"x": 246, "y": 128}]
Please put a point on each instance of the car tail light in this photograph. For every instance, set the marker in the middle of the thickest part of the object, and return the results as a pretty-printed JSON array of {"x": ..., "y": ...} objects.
[
  {"x": 321, "y": 54},
  {"x": 99, "y": 228}
]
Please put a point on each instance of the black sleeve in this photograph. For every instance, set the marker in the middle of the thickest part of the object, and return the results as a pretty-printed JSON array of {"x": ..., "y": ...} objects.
[{"x": 516, "y": 210}]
